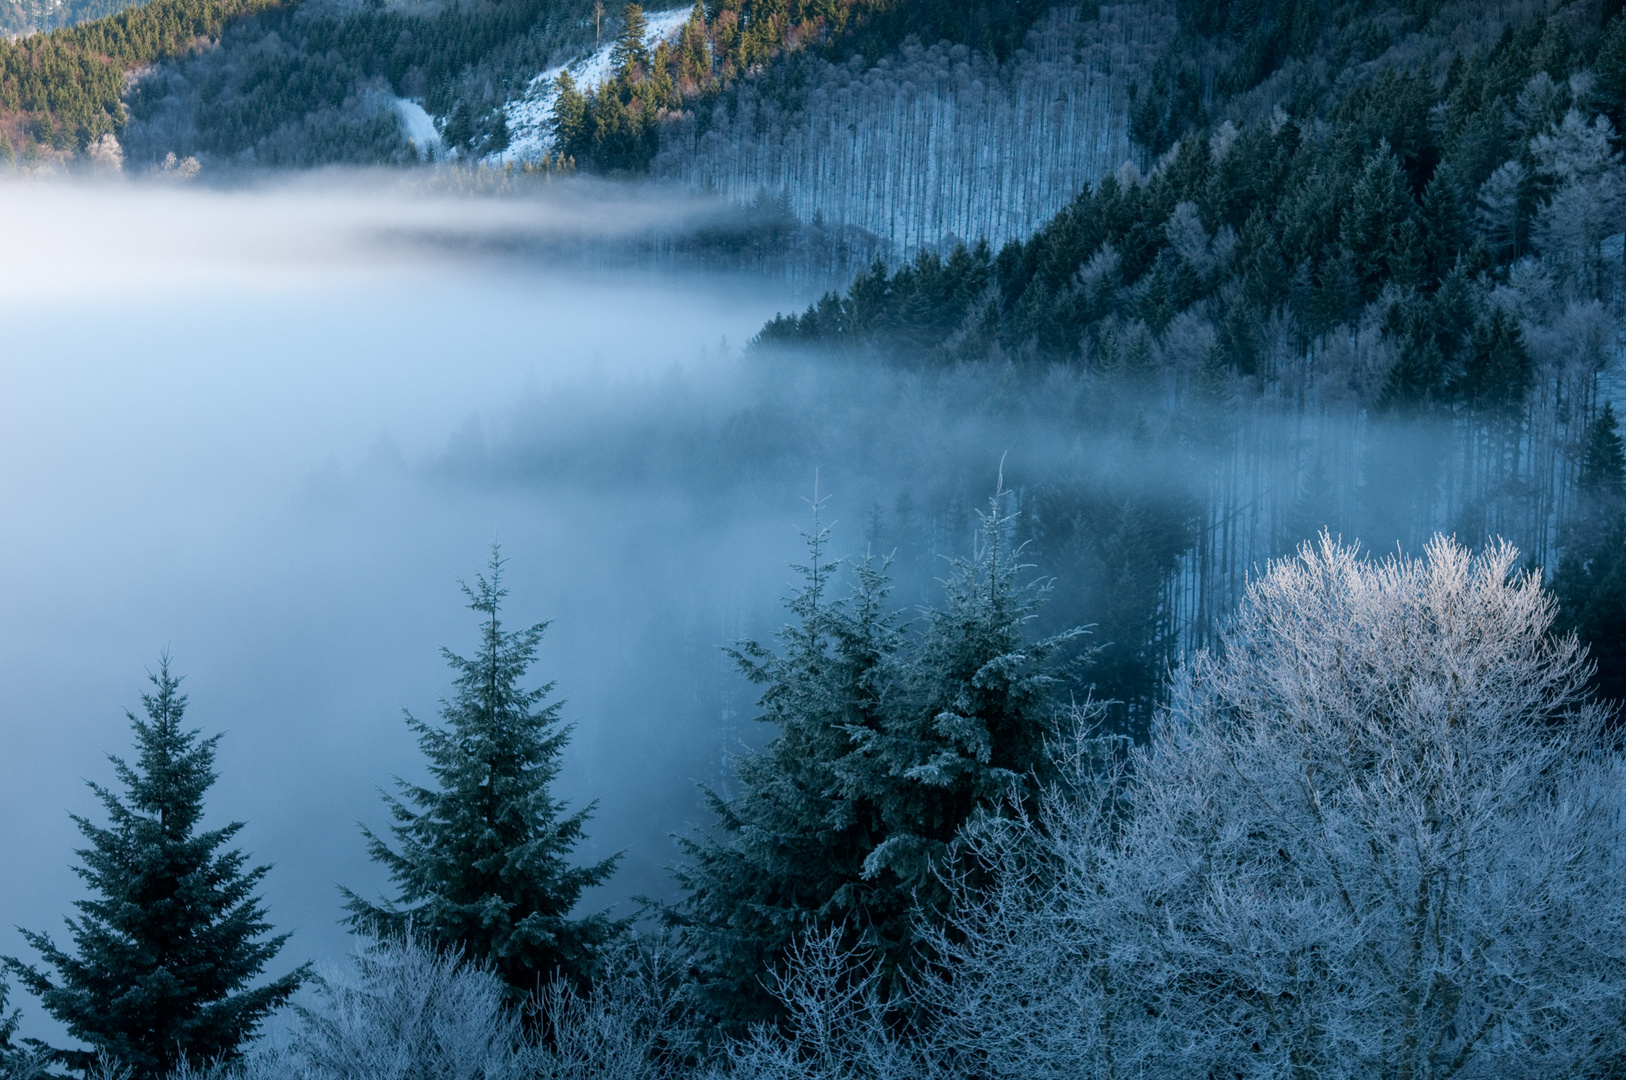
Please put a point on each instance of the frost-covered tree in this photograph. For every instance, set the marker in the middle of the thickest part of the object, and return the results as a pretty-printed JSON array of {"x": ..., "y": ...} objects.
[
  {"x": 481, "y": 860},
  {"x": 167, "y": 953},
  {"x": 401, "y": 1010},
  {"x": 1374, "y": 836}
]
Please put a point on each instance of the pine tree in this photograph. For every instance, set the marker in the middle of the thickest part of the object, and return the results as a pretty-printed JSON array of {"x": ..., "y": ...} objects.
[
  {"x": 481, "y": 865},
  {"x": 572, "y": 129},
  {"x": 973, "y": 735},
  {"x": 1496, "y": 371},
  {"x": 789, "y": 855},
  {"x": 1369, "y": 228},
  {"x": 166, "y": 952}
]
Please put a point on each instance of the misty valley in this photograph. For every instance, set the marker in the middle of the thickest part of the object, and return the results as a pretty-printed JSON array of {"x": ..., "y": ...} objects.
[{"x": 812, "y": 539}]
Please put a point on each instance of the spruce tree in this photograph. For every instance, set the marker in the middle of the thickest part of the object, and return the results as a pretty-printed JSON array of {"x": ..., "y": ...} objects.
[
  {"x": 572, "y": 129},
  {"x": 630, "y": 56},
  {"x": 788, "y": 854},
  {"x": 481, "y": 863},
  {"x": 167, "y": 950},
  {"x": 855, "y": 813},
  {"x": 973, "y": 737}
]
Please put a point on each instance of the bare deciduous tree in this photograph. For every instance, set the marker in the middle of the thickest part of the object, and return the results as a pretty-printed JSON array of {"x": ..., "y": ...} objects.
[{"x": 1373, "y": 836}]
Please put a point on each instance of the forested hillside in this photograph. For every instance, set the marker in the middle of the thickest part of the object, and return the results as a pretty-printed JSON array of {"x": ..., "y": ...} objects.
[
  {"x": 18, "y": 17},
  {"x": 316, "y": 83},
  {"x": 63, "y": 88},
  {"x": 1386, "y": 303},
  {"x": 1221, "y": 670},
  {"x": 934, "y": 140}
]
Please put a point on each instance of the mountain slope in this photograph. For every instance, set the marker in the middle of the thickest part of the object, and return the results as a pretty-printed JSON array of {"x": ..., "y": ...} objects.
[
  {"x": 1384, "y": 298},
  {"x": 63, "y": 88}
]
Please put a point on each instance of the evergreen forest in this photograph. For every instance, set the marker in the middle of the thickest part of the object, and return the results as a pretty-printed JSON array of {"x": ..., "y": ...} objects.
[{"x": 1205, "y": 651}]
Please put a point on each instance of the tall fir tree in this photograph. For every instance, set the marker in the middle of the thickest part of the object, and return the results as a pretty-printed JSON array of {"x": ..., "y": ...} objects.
[
  {"x": 168, "y": 949},
  {"x": 630, "y": 56},
  {"x": 886, "y": 751},
  {"x": 973, "y": 738},
  {"x": 482, "y": 858},
  {"x": 572, "y": 119},
  {"x": 788, "y": 853}
]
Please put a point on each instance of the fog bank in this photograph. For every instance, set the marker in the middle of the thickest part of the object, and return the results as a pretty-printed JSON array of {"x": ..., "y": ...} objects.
[{"x": 220, "y": 416}]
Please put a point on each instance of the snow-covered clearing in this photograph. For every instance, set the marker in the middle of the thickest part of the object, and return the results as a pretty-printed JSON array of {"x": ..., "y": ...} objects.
[
  {"x": 418, "y": 125},
  {"x": 530, "y": 116}
]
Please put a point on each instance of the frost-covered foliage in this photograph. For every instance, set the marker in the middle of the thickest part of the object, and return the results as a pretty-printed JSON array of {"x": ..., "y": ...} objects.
[
  {"x": 1374, "y": 836},
  {"x": 936, "y": 140},
  {"x": 631, "y": 1025},
  {"x": 402, "y": 1011},
  {"x": 837, "y": 1025}
]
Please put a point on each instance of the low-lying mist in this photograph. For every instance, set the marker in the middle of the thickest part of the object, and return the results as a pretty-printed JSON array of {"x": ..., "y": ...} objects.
[
  {"x": 224, "y": 426},
  {"x": 268, "y": 429}
]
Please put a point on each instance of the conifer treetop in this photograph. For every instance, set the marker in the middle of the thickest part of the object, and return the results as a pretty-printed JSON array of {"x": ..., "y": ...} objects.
[
  {"x": 171, "y": 940},
  {"x": 480, "y": 857}
]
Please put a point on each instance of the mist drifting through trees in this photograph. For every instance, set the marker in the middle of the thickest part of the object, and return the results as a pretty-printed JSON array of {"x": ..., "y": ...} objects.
[{"x": 1004, "y": 538}]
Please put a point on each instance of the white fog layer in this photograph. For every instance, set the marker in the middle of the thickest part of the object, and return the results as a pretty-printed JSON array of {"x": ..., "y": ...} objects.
[{"x": 218, "y": 422}]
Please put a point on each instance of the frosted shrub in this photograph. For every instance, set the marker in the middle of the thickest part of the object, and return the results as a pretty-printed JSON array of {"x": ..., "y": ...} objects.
[
  {"x": 837, "y": 1025},
  {"x": 630, "y": 1026},
  {"x": 401, "y": 1011},
  {"x": 1374, "y": 836}
]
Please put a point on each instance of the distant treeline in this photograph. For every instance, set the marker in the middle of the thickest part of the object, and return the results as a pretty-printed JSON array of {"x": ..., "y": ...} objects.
[
  {"x": 617, "y": 125},
  {"x": 69, "y": 81}
]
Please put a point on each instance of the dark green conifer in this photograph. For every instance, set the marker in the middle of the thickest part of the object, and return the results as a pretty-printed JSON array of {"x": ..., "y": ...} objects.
[
  {"x": 1496, "y": 370},
  {"x": 630, "y": 56},
  {"x": 167, "y": 949},
  {"x": 972, "y": 735},
  {"x": 572, "y": 131},
  {"x": 1369, "y": 228},
  {"x": 854, "y": 813},
  {"x": 481, "y": 861},
  {"x": 788, "y": 855}
]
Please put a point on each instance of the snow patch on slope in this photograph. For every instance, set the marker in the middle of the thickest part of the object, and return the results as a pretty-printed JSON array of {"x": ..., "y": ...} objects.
[
  {"x": 530, "y": 116},
  {"x": 419, "y": 126}
]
